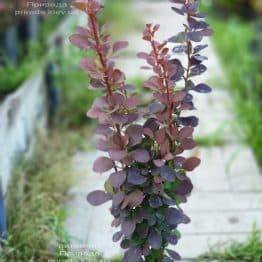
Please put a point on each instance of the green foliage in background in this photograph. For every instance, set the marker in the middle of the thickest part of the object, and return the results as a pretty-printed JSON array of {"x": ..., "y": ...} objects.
[
  {"x": 248, "y": 251},
  {"x": 73, "y": 83},
  {"x": 121, "y": 16},
  {"x": 233, "y": 38},
  {"x": 13, "y": 75}
]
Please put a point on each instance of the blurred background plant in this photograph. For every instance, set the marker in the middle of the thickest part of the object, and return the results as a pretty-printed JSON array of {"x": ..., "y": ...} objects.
[{"x": 238, "y": 41}]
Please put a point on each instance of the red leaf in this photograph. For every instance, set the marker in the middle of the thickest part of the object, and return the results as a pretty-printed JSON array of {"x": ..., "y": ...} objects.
[
  {"x": 179, "y": 96},
  {"x": 143, "y": 55},
  {"x": 79, "y": 41},
  {"x": 119, "y": 45},
  {"x": 160, "y": 136},
  {"x": 186, "y": 132},
  {"x": 93, "y": 112},
  {"x": 188, "y": 143},
  {"x": 148, "y": 132},
  {"x": 131, "y": 102},
  {"x": 102, "y": 164},
  {"x": 88, "y": 65},
  {"x": 191, "y": 163},
  {"x": 152, "y": 82},
  {"x": 118, "y": 76}
]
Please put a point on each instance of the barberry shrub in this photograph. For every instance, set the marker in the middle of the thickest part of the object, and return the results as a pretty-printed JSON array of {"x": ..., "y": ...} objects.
[{"x": 144, "y": 145}]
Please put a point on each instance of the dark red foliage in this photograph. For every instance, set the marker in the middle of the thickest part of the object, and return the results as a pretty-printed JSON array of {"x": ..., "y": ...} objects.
[{"x": 148, "y": 179}]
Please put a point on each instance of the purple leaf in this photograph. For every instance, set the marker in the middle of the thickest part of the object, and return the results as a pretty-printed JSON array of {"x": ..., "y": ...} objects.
[
  {"x": 102, "y": 164},
  {"x": 125, "y": 243},
  {"x": 177, "y": 1},
  {"x": 198, "y": 70},
  {"x": 179, "y": 38},
  {"x": 156, "y": 107},
  {"x": 174, "y": 216},
  {"x": 198, "y": 48},
  {"x": 178, "y": 75},
  {"x": 159, "y": 162},
  {"x": 118, "y": 199},
  {"x": 188, "y": 98},
  {"x": 131, "y": 102},
  {"x": 155, "y": 201},
  {"x": 117, "y": 46},
  {"x": 167, "y": 173},
  {"x": 151, "y": 124},
  {"x": 135, "y": 133},
  {"x": 134, "y": 177},
  {"x": 141, "y": 155},
  {"x": 173, "y": 254},
  {"x": 154, "y": 239},
  {"x": 117, "y": 155},
  {"x": 189, "y": 121},
  {"x": 197, "y": 59},
  {"x": 117, "y": 236},
  {"x": 194, "y": 36},
  {"x": 171, "y": 238},
  {"x": 119, "y": 118},
  {"x": 143, "y": 55},
  {"x": 178, "y": 11},
  {"x": 79, "y": 41},
  {"x": 184, "y": 188},
  {"x": 117, "y": 179},
  {"x": 104, "y": 129},
  {"x": 194, "y": 24},
  {"x": 128, "y": 227},
  {"x": 202, "y": 88},
  {"x": 133, "y": 199},
  {"x": 88, "y": 64},
  {"x": 206, "y": 32},
  {"x": 200, "y": 15},
  {"x": 134, "y": 254},
  {"x": 96, "y": 84},
  {"x": 98, "y": 197},
  {"x": 180, "y": 49}
]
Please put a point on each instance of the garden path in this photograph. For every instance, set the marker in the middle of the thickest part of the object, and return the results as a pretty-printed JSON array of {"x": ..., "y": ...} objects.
[{"x": 227, "y": 198}]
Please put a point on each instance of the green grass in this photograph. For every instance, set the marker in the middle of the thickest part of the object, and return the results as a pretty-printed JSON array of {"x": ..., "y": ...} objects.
[
  {"x": 232, "y": 40},
  {"x": 248, "y": 251},
  {"x": 35, "y": 197},
  {"x": 121, "y": 16}
]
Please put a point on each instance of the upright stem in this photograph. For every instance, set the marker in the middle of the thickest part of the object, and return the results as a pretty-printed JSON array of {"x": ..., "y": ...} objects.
[
  {"x": 164, "y": 81},
  {"x": 103, "y": 63},
  {"x": 99, "y": 52},
  {"x": 189, "y": 51}
]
